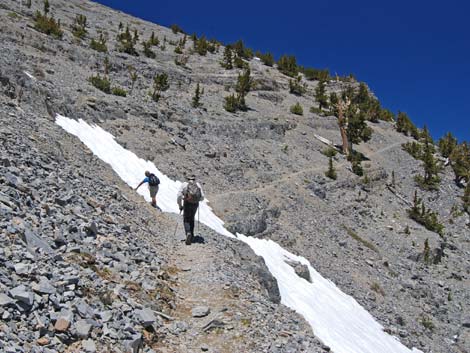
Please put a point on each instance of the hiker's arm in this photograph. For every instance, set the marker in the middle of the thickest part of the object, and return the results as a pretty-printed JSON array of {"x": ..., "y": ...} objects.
[
  {"x": 202, "y": 193},
  {"x": 179, "y": 197},
  {"x": 138, "y": 186}
]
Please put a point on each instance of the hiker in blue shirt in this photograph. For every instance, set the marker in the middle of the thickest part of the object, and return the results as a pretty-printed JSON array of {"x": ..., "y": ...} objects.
[{"x": 153, "y": 182}]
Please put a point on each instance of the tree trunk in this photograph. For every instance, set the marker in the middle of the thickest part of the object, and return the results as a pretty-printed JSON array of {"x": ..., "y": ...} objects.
[{"x": 342, "y": 127}]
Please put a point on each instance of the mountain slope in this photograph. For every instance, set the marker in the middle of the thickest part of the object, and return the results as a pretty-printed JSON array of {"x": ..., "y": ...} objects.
[{"x": 263, "y": 169}]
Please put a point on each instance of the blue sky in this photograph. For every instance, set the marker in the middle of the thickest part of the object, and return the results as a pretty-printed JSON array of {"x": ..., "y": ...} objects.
[{"x": 415, "y": 55}]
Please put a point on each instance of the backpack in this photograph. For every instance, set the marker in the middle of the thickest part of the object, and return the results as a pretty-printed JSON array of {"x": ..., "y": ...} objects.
[
  {"x": 192, "y": 193},
  {"x": 153, "y": 180}
]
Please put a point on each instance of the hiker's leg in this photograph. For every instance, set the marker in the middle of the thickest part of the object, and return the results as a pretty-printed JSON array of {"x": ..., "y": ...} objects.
[
  {"x": 192, "y": 210},
  {"x": 153, "y": 194},
  {"x": 187, "y": 218}
]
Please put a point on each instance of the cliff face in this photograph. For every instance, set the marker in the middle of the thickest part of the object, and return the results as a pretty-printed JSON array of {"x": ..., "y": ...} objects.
[{"x": 262, "y": 170}]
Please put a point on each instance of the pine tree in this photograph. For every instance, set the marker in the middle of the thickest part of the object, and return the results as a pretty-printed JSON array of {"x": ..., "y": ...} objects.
[
  {"x": 357, "y": 129},
  {"x": 425, "y": 136},
  {"x": 447, "y": 145},
  {"x": 197, "y": 97},
  {"x": 288, "y": 65},
  {"x": 147, "y": 51},
  {"x": 154, "y": 40},
  {"x": 244, "y": 82},
  {"x": 460, "y": 162},
  {"x": 331, "y": 173},
  {"x": 296, "y": 86},
  {"x": 227, "y": 59},
  {"x": 79, "y": 26},
  {"x": 430, "y": 180},
  {"x": 466, "y": 198},
  {"x": 46, "y": 7},
  {"x": 320, "y": 95},
  {"x": 135, "y": 39},
  {"x": 160, "y": 84},
  {"x": 427, "y": 252},
  {"x": 201, "y": 46}
]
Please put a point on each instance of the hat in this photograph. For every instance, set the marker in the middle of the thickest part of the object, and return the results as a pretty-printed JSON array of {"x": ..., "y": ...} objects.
[{"x": 192, "y": 177}]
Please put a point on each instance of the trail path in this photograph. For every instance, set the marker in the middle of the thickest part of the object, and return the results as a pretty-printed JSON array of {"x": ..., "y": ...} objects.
[{"x": 288, "y": 177}]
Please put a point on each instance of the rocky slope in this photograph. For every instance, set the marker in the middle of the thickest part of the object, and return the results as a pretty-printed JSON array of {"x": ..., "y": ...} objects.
[{"x": 263, "y": 171}]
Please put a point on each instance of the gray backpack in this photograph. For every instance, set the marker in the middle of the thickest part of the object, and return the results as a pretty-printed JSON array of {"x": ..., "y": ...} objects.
[{"x": 192, "y": 193}]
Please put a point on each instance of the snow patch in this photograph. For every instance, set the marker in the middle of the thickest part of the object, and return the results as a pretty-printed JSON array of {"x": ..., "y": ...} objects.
[{"x": 335, "y": 317}]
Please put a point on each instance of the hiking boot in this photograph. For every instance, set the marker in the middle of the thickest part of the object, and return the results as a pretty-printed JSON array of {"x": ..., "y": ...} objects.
[{"x": 189, "y": 237}]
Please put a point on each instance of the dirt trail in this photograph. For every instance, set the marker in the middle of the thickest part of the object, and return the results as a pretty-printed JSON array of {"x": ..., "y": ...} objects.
[
  {"x": 196, "y": 272},
  {"x": 287, "y": 177}
]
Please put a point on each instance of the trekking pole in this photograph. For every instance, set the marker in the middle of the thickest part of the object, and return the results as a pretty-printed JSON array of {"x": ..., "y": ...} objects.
[{"x": 176, "y": 226}]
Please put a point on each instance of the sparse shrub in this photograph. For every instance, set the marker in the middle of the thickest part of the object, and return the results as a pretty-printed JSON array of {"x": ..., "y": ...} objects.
[
  {"x": 196, "y": 101},
  {"x": 102, "y": 83},
  {"x": 241, "y": 51},
  {"x": 331, "y": 172},
  {"x": 126, "y": 42},
  {"x": 160, "y": 84},
  {"x": 317, "y": 111},
  {"x": 415, "y": 149},
  {"x": 297, "y": 109},
  {"x": 13, "y": 15},
  {"x": 267, "y": 58},
  {"x": 329, "y": 152},
  {"x": 376, "y": 288},
  {"x": 356, "y": 163},
  {"x": 231, "y": 103},
  {"x": 288, "y": 65},
  {"x": 176, "y": 29},
  {"x": 212, "y": 46},
  {"x": 407, "y": 230},
  {"x": 181, "y": 60},
  {"x": 118, "y": 91},
  {"x": 79, "y": 26},
  {"x": 239, "y": 63},
  {"x": 386, "y": 115},
  {"x": 47, "y": 25},
  {"x": 147, "y": 51},
  {"x": 99, "y": 45},
  {"x": 297, "y": 87},
  {"x": 427, "y": 323},
  {"x": 178, "y": 50},
  {"x": 154, "y": 40},
  {"x": 316, "y": 74},
  {"x": 425, "y": 217}
]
